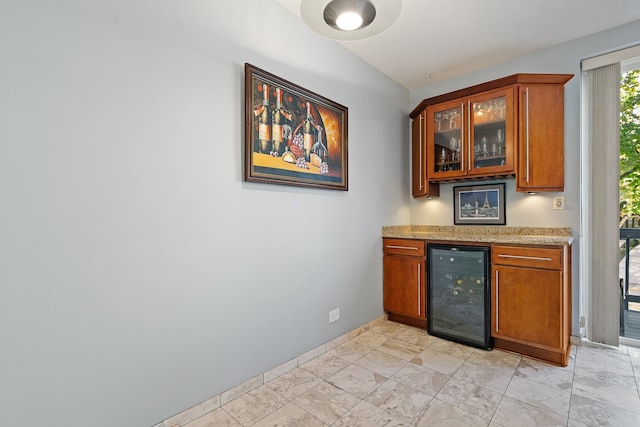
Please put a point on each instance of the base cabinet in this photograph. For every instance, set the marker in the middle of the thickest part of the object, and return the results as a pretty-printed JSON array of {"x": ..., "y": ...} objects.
[
  {"x": 531, "y": 301},
  {"x": 404, "y": 281},
  {"x": 530, "y": 294}
]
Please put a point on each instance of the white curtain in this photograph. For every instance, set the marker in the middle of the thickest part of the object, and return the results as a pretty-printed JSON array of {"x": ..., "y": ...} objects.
[{"x": 600, "y": 200}]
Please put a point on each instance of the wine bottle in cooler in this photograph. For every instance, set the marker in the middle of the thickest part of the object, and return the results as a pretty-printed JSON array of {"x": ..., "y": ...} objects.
[
  {"x": 308, "y": 133},
  {"x": 264, "y": 121}
]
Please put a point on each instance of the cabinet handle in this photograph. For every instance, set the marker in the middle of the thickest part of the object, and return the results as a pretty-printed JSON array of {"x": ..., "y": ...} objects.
[
  {"x": 497, "y": 301},
  {"x": 421, "y": 155},
  {"x": 526, "y": 109},
  {"x": 468, "y": 134},
  {"x": 534, "y": 258},
  {"x": 413, "y": 248},
  {"x": 419, "y": 290}
]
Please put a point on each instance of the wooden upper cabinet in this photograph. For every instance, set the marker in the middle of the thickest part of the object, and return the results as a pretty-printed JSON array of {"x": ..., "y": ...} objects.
[
  {"x": 541, "y": 139},
  {"x": 511, "y": 127},
  {"x": 420, "y": 187},
  {"x": 471, "y": 137}
]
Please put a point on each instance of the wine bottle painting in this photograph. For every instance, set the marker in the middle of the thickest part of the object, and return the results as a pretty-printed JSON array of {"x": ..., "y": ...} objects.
[
  {"x": 293, "y": 136},
  {"x": 292, "y": 128}
]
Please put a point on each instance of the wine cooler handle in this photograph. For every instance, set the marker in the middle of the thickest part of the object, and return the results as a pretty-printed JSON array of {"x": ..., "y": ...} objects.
[
  {"x": 526, "y": 109},
  {"x": 419, "y": 290},
  {"x": 497, "y": 301}
]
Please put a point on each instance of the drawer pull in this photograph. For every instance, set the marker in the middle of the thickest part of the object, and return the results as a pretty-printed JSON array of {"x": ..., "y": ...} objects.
[
  {"x": 534, "y": 258},
  {"x": 402, "y": 247}
]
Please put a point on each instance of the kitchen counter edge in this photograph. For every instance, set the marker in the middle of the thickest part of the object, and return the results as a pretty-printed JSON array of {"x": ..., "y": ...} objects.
[{"x": 487, "y": 234}]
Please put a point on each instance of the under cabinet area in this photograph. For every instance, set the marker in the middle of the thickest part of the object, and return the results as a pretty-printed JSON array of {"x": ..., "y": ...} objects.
[
  {"x": 511, "y": 127},
  {"x": 528, "y": 287},
  {"x": 531, "y": 301},
  {"x": 404, "y": 281}
]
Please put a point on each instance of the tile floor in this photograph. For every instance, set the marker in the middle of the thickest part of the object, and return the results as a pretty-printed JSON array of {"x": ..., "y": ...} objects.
[{"x": 394, "y": 375}]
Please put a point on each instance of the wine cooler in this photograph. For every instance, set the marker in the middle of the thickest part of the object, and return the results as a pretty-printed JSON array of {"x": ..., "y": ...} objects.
[{"x": 459, "y": 294}]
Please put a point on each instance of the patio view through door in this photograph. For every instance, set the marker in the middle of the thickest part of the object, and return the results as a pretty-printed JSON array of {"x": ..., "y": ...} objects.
[{"x": 629, "y": 252}]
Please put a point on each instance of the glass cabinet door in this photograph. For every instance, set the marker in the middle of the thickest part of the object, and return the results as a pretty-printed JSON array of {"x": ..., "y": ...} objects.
[
  {"x": 445, "y": 140},
  {"x": 491, "y": 126}
]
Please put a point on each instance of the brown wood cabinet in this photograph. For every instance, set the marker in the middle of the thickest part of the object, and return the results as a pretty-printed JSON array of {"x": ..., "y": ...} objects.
[
  {"x": 404, "y": 281},
  {"x": 531, "y": 301},
  {"x": 471, "y": 136},
  {"x": 509, "y": 127},
  {"x": 541, "y": 147},
  {"x": 420, "y": 187}
]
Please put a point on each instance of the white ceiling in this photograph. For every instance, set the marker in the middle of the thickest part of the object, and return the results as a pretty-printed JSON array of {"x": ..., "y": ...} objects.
[{"x": 433, "y": 40}]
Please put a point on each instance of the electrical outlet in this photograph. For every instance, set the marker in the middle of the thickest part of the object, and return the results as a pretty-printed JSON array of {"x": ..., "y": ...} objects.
[
  {"x": 334, "y": 315},
  {"x": 558, "y": 203}
]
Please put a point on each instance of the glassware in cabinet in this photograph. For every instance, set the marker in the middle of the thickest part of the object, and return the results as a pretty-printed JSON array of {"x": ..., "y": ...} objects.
[
  {"x": 492, "y": 133},
  {"x": 445, "y": 140},
  {"x": 472, "y": 136}
]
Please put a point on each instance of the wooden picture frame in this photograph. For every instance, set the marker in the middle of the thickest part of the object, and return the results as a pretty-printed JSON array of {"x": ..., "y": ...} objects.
[
  {"x": 292, "y": 135},
  {"x": 479, "y": 205}
]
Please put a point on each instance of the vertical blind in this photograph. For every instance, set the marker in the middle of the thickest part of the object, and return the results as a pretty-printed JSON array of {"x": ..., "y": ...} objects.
[{"x": 600, "y": 216}]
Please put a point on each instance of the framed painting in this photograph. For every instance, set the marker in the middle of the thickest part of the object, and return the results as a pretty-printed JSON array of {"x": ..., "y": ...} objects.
[
  {"x": 292, "y": 135},
  {"x": 479, "y": 205}
]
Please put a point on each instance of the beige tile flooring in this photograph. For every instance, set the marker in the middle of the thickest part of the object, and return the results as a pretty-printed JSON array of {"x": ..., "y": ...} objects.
[{"x": 395, "y": 375}]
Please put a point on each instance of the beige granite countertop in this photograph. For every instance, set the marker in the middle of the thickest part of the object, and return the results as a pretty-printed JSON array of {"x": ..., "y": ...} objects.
[{"x": 480, "y": 233}]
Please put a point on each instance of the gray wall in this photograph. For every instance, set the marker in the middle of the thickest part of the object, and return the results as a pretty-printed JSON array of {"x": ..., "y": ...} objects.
[
  {"x": 139, "y": 274},
  {"x": 536, "y": 210}
]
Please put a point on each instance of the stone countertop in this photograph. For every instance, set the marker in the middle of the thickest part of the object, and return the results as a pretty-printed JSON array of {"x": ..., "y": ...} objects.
[{"x": 479, "y": 233}]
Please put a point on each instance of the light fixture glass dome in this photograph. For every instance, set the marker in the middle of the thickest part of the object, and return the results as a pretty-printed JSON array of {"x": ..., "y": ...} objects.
[
  {"x": 349, "y": 15},
  {"x": 349, "y": 21},
  {"x": 322, "y": 17}
]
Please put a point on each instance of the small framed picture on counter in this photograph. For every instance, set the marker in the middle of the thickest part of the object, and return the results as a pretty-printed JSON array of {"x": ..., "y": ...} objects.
[{"x": 479, "y": 205}]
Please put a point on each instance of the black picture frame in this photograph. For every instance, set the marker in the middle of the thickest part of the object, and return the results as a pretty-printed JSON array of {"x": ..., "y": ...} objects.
[{"x": 479, "y": 204}]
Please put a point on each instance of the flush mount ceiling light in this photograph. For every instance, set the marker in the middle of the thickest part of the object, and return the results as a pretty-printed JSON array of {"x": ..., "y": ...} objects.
[{"x": 349, "y": 20}]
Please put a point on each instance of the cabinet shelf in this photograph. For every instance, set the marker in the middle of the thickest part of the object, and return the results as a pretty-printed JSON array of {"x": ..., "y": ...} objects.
[
  {"x": 489, "y": 161},
  {"x": 448, "y": 132},
  {"x": 489, "y": 126}
]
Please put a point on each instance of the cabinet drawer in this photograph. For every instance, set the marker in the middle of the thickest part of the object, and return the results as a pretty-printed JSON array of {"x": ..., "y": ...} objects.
[
  {"x": 406, "y": 247},
  {"x": 529, "y": 256}
]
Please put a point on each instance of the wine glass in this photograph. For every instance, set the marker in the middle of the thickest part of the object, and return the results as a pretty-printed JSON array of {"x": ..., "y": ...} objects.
[
  {"x": 453, "y": 120},
  {"x": 438, "y": 120},
  {"x": 500, "y": 139}
]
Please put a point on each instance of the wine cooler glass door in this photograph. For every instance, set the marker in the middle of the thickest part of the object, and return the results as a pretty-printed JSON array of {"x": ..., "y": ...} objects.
[{"x": 459, "y": 294}]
